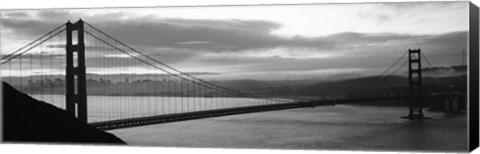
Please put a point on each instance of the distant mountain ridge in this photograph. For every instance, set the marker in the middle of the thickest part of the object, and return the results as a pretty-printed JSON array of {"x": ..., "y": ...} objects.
[
  {"x": 450, "y": 78},
  {"x": 457, "y": 70}
]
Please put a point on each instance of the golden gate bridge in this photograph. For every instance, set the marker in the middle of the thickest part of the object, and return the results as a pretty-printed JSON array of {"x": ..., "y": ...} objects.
[{"x": 83, "y": 50}]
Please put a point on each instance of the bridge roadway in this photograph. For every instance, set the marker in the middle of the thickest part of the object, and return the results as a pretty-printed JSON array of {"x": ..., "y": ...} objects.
[
  {"x": 123, "y": 123},
  {"x": 141, "y": 121}
]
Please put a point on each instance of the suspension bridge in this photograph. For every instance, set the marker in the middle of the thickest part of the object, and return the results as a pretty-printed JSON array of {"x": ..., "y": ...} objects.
[{"x": 69, "y": 67}]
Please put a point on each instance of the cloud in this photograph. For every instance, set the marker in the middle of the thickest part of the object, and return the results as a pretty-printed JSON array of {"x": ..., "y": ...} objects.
[
  {"x": 15, "y": 14},
  {"x": 27, "y": 28},
  {"x": 222, "y": 35},
  {"x": 193, "y": 42},
  {"x": 238, "y": 45},
  {"x": 229, "y": 35},
  {"x": 149, "y": 32}
]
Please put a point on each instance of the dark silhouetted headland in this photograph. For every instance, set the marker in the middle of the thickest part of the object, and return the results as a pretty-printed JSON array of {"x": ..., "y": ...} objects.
[{"x": 29, "y": 120}]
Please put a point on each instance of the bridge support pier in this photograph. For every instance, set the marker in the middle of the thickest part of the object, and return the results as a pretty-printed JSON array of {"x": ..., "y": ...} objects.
[{"x": 76, "y": 97}]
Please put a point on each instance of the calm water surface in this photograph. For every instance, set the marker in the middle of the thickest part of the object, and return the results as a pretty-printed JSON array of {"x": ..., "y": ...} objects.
[{"x": 340, "y": 127}]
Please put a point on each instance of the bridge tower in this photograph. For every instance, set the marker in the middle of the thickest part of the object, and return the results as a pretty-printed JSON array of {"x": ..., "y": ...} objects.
[
  {"x": 76, "y": 97},
  {"x": 415, "y": 84}
]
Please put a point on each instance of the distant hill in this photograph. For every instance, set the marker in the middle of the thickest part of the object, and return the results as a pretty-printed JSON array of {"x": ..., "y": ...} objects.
[
  {"x": 383, "y": 86},
  {"x": 450, "y": 78}
]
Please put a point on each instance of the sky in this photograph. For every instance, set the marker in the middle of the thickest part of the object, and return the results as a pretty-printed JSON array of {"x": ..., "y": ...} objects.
[{"x": 252, "y": 42}]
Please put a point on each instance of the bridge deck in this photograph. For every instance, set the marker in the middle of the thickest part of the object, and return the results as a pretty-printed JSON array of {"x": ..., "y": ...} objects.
[
  {"x": 115, "y": 124},
  {"x": 123, "y": 123}
]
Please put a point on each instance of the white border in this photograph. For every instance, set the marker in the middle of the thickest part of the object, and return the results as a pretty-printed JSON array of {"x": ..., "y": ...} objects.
[{"x": 81, "y": 149}]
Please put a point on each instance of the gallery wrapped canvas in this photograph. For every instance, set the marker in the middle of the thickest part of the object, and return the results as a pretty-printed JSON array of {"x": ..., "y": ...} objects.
[{"x": 378, "y": 76}]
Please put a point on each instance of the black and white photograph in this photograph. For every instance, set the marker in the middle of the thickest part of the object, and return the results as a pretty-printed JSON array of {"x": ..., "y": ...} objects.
[{"x": 372, "y": 76}]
